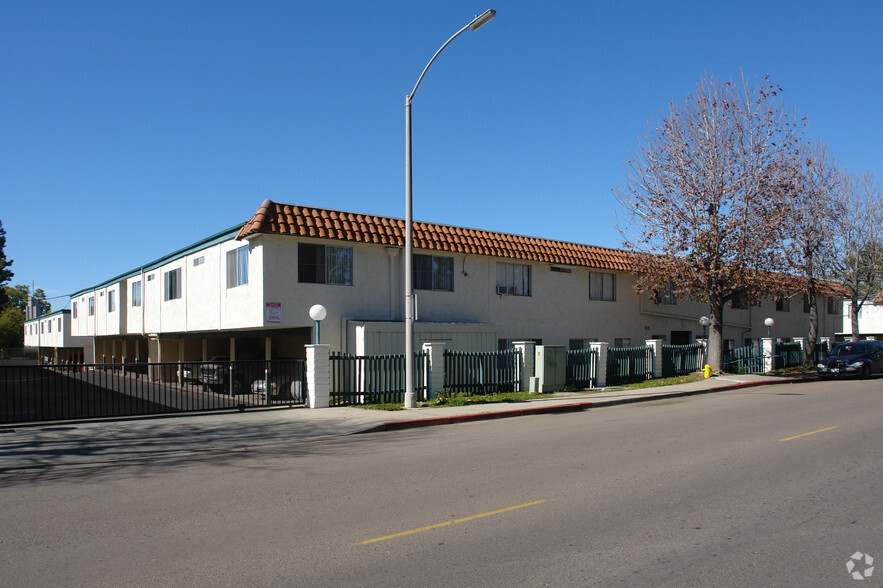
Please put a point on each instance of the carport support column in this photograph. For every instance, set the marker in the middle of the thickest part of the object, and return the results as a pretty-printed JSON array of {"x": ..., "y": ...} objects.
[
  {"x": 656, "y": 346},
  {"x": 527, "y": 367},
  {"x": 769, "y": 353},
  {"x": 434, "y": 375},
  {"x": 319, "y": 375},
  {"x": 601, "y": 367}
]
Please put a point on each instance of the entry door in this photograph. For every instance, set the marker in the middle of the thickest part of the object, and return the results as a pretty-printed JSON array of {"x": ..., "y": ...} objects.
[{"x": 681, "y": 337}]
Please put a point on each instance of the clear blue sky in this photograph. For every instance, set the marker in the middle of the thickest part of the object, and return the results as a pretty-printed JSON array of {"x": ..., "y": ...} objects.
[{"x": 131, "y": 129}]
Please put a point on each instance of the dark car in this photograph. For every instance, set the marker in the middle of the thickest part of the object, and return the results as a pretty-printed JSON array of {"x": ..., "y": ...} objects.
[{"x": 853, "y": 358}]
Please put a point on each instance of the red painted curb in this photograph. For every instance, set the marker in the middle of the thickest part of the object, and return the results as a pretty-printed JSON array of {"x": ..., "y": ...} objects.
[{"x": 576, "y": 407}]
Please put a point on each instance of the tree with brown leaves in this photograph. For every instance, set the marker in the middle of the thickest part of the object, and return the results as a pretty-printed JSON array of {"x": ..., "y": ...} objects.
[{"x": 700, "y": 207}]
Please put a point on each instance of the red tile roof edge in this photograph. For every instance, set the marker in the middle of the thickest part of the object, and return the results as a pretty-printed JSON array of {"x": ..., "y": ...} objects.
[{"x": 291, "y": 219}]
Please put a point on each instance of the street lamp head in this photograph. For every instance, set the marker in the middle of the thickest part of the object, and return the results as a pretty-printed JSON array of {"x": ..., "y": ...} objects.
[
  {"x": 482, "y": 19},
  {"x": 704, "y": 321},
  {"x": 769, "y": 322}
]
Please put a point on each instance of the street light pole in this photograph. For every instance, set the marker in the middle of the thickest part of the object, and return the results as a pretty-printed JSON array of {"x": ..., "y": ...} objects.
[{"x": 410, "y": 396}]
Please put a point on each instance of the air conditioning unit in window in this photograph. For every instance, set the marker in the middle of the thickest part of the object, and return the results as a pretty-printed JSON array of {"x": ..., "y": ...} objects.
[{"x": 502, "y": 290}]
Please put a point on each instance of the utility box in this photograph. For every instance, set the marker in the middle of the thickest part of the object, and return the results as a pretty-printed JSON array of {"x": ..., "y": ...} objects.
[{"x": 551, "y": 367}]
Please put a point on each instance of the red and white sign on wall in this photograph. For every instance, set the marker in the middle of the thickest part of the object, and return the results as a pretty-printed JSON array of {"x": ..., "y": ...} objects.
[{"x": 273, "y": 313}]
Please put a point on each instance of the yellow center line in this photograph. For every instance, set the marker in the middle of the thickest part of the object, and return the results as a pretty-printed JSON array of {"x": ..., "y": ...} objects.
[
  {"x": 445, "y": 524},
  {"x": 805, "y": 434}
]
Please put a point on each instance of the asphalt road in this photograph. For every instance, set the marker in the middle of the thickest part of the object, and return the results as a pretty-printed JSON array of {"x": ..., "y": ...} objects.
[{"x": 768, "y": 486}]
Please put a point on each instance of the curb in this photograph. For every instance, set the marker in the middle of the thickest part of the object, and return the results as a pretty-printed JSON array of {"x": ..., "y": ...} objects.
[{"x": 562, "y": 408}]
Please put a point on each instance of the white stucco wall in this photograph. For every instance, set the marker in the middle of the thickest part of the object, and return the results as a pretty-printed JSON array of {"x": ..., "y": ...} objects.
[{"x": 870, "y": 319}]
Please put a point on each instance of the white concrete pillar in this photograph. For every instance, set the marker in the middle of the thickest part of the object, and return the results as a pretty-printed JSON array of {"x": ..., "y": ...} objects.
[
  {"x": 656, "y": 346},
  {"x": 802, "y": 341},
  {"x": 703, "y": 359},
  {"x": 769, "y": 352},
  {"x": 527, "y": 367},
  {"x": 601, "y": 368},
  {"x": 434, "y": 375},
  {"x": 319, "y": 375}
]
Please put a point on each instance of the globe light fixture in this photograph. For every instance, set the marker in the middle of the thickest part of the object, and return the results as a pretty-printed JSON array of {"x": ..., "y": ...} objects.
[{"x": 318, "y": 314}]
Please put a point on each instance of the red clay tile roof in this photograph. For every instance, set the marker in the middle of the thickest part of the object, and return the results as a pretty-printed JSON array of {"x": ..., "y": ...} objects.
[{"x": 301, "y": 221}]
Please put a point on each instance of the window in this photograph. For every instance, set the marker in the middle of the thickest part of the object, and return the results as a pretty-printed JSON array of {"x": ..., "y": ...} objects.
[
  {"x": 172, "y": 284},
  {"x": 324, "y": 264},
  {"x": 834, "y": 306},
  {"x": 602, "y": 286},
  {"x": 199, "y": 260},
  {"x": 513, "y": 279},
  {"x": 577, "y": 344},
  {"x": 666, "y": 295},
  {"x": 91, "y": 306},
  {"x": 149, "y": 277},
  {"x": 740, "y": 301},
  {"x": 624, "y": 342},
  {"x": 237, "y": 267},
  {"x": 42, "y": 328},
  {"x": 74, "y": 309},
  {"x": 136, "y": 293},
  {"x": 783, "y": 305},
  {"x": 433, "y": 273},
  {"x": 49, "y": 325},
  {"x": 59, "y": 324},
  {"x": 111, "y": 301}
]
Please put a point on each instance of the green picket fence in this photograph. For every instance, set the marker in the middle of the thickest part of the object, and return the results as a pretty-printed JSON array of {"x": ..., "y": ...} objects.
[
  {"x": 788, "y": 355},
  {"x": 582, "y": 368},
  {"x": 680, "y": 360},
  {"x": 744, "y": 360},
  {"x": 821, "y": 352},
  {"x": 629, "y": 364},
  {"x": 482, "y": 372},
  {"x": 374, "y": 379}
]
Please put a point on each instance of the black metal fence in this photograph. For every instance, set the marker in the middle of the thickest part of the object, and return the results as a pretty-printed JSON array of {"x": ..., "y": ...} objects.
[{"x": 63, "y": 392}]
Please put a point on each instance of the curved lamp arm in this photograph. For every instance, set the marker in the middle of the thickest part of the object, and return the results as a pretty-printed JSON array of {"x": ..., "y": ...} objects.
[{"x": 475, "y": 24}]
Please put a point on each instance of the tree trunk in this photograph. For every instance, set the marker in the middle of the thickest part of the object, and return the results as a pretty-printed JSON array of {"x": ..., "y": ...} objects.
[
  {"x": 810, "y": 343},
  {"x": 853, "y": 318},
  {"x": 716, "y": 335}
]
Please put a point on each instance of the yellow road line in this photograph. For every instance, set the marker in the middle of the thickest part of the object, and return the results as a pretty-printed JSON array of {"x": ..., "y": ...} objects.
[
  {"x": 454, "y": 522},
  {"x": 805, "y": 434}
]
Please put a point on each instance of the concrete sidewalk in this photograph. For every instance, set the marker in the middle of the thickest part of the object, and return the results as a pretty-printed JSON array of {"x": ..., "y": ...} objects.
[{"x": 177, "y": 439}]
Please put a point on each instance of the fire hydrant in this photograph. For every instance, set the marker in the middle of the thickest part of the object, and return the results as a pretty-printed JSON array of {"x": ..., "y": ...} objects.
[{"x": 707, "y": 371}]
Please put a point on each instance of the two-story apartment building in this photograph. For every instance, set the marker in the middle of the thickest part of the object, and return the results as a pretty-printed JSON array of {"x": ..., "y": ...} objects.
[
  {"x": 245, "y": 292},
  {"x": 51, "y": 335}
]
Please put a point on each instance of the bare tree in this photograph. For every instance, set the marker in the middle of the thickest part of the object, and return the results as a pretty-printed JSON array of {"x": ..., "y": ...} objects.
[
  {"x": 858, "y": 241},
  {"x": 810, "y": 181},
  {"x": 701, "y": 212}
]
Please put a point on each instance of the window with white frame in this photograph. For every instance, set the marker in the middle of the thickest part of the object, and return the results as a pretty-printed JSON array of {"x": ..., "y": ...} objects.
[
  {"x": 513, "y": 279},
  {"x": 111, "y": 301},
  {"x": 324, "y": 264},
  {"x": 136, "y": 293},
  {"x": 602, "y": 286},
  {"x": 197, "y": 261},
  {"x": 74, "y": 309},
  {"x": 433, "y": 272},
  {"x": 91, "y": 306},
  {"x": 172, "y": 284},
  {"x": 237, "y": 267}
]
